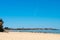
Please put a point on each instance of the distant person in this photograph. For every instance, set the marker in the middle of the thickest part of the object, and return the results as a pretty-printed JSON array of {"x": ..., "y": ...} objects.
[{"x": 1, "y": 26}]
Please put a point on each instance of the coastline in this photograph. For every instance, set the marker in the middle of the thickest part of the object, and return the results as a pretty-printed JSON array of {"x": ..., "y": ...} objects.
[{"x": 28, "y": 36}]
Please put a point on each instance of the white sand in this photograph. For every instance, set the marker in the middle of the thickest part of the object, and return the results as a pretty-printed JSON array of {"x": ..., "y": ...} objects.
[{"x": 28, "y": 36}]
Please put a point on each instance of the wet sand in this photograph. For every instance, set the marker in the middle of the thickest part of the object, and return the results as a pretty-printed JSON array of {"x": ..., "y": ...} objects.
[{"x": 28, "y": 36}]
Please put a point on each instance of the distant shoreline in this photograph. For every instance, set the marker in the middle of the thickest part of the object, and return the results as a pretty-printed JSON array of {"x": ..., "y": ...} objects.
[{"x": 30, "y": 28}]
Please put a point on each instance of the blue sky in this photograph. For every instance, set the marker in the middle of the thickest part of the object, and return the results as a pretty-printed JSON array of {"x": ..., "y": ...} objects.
[{"x": 30, "y": 13}]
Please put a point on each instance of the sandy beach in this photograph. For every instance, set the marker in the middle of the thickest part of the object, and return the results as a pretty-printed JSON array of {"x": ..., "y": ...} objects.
[{"x": 28, "y": 36}]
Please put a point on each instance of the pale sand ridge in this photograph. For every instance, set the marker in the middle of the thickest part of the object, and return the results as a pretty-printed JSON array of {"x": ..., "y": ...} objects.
[{"x": 28, "y": 36}]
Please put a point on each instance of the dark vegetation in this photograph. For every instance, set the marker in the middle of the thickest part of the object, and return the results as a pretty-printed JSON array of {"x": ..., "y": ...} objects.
[{"x": 30, "y": 28}]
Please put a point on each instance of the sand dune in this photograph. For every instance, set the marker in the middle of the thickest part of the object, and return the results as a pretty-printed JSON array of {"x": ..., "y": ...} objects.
[{"x": 28, "y": 36}]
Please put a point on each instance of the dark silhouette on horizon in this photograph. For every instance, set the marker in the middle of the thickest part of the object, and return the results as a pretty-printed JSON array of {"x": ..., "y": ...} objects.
[{"x": 7, "y": 28}]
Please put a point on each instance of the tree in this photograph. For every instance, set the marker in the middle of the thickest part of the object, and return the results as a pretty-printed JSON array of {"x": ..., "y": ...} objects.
[{"x": 6, "y": 28}]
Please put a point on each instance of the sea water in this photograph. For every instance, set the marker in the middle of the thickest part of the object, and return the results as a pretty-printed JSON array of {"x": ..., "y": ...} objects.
[{"x": 39, "y": 31}]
